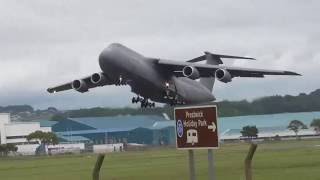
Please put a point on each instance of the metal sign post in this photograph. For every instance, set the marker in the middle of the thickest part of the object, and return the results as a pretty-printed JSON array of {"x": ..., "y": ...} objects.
[
  {"x": 192, "y": 168},
  {"x": 196, "y": 128},
  {"x": 211, "y": 165}
]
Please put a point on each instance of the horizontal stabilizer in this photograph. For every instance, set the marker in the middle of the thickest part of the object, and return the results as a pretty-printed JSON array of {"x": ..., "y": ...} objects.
[{"x": 217, "y": 56}]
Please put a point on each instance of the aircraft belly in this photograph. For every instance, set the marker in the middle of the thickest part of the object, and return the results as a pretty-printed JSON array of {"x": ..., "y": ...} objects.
[
  {"x": 192, "y": 91},
  {"x": 148, "y": 85},
  {"x": 146, "y": 81}
]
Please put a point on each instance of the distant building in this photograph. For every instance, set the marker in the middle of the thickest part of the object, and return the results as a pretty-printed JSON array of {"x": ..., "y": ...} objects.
[
  {"x": 269, "y": 133},
  {"x": 16, "y": 132},
  {"x": 149, "y": 130}
]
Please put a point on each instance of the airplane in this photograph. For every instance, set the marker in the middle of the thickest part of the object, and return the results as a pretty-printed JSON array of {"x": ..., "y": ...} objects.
[{"x": 163, "y": 81}]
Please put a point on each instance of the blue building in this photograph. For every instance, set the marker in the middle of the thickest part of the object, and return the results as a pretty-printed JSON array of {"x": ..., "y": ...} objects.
[{"x": 150, "y": 130}]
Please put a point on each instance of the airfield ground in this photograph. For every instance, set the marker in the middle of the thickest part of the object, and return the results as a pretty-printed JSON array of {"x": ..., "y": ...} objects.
[{"x": 294, "y": 160}]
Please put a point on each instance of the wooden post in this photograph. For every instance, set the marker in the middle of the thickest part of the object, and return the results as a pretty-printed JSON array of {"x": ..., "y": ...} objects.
[
  {"x": 97, "y": 167},
  {"x": 248, "y": 160}
]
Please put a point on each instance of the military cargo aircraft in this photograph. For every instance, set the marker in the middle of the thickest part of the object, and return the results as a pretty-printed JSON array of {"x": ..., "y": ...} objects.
[{"x": 160, "y": 80}]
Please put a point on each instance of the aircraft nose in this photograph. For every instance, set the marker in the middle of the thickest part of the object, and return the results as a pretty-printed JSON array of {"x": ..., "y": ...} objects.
[
  {"x": 105, "y": 58},
  {"x": 109, "y": 54}
]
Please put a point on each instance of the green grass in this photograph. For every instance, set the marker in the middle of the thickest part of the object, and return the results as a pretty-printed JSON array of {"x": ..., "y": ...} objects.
[{"x": 294, "y": 160}]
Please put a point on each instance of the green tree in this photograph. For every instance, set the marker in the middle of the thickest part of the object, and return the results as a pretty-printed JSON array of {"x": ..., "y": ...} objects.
[
  {"x": 58, "y": 117},
  {"x": 296, "y": 126},
  {"x": 45, "y": 138},
  {"x": 250, "y": 132},
  {"x": 2, "y": 149},
  {"x": 12, "y": 148},
  {"x": 316, "y": 125},
  {"x": 6, "y": 148}
]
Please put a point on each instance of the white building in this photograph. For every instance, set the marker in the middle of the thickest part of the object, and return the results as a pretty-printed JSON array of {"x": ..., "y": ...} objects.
[
  {"x": 105, "y": 148},
  {"x": 66, "y": 148},
  {"x": 269, "y": 132},
  {"x": 16, "y": 132}
]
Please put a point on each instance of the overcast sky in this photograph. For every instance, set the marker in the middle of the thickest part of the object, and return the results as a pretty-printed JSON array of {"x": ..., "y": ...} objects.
[{"x": 44, "y": 43}]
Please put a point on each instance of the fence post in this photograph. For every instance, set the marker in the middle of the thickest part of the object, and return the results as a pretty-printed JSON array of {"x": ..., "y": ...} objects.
[
  {"x": 97, "y": 167},
  {"x": 248, "y": 160}
]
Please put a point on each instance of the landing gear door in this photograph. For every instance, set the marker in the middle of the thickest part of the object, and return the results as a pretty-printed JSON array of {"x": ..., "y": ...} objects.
[
  {"x": 172, "y": 91},
  {"x": 179, "y": 88},
  {"x": 171, "y": 86}
]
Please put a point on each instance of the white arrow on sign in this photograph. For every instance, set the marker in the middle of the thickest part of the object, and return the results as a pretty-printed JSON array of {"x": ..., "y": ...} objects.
[{"x": 213, "y": 127}]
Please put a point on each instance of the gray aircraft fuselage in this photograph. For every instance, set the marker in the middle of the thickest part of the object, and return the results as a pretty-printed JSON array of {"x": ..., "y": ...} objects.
[{"x": 148, "y": 80}]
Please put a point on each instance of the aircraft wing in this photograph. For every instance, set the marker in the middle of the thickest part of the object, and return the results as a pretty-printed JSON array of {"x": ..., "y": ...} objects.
[
  {"x": 62, "y": 87},
  {"x": 206, "y": 70},
  {"x": 84, "y": 84}
]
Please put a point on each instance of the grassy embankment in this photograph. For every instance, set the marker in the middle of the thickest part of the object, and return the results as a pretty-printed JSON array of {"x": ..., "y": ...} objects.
[{"x": 294, "y": 160}]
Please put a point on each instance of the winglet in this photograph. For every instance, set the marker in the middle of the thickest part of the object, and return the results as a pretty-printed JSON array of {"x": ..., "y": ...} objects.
[
  {"x": 50, "y": 90},
  {"x": 292, "y": 73}
]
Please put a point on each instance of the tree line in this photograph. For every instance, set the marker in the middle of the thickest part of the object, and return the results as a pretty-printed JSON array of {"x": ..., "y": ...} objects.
[
  {"x": 271, "y": 105},
  {"x": 16, "y": 109},
  {"x": 251, "y": 132},
  {"x": 265, "y": 105}
]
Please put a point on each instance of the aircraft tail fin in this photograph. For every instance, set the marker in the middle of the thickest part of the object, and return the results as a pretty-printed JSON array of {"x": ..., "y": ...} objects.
[
  {"x": 208, "y": 82},
  {"x": 213, "y": 59},
  {"x": 217, "y": 57}
]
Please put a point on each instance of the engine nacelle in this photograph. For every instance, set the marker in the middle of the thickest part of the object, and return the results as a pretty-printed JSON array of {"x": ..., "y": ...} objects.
[
  {"x": 80, "y": 86},
  {"x": 98, "y": 79},
  {"x": 190, "y": 72},
  {"x": 223, "y": 75}
]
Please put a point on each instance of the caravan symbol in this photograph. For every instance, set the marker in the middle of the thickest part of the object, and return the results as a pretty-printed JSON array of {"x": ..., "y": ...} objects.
[{"x": 192, "y": 136}]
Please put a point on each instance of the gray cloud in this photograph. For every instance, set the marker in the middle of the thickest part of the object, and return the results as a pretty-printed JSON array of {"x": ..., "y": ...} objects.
[{"x": 43, "y": 43}]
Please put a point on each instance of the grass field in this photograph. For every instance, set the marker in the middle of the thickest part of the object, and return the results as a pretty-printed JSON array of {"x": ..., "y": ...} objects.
[{"x": 294, "y": 160}]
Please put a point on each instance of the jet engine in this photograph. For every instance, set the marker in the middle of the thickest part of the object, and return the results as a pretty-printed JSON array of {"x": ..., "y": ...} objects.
[
  {"x": 80, "y": 86},
  {"x": 98, "y": 79},
  {"x": 191, "y": 72},
  {"x": 223, "y": 75}
]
